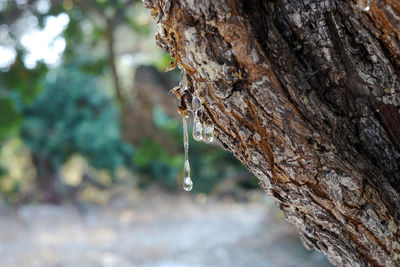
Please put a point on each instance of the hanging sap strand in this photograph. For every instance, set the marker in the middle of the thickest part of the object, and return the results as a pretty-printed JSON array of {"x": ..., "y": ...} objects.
[
  {"x": 201, "y": 131},
  {"x": 187, "y": 181}
]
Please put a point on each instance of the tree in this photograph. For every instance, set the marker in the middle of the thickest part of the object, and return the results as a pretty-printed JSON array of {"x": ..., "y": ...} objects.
[
  {"x": 306, "y": 94},
  {"x": 66, "y": 119}
]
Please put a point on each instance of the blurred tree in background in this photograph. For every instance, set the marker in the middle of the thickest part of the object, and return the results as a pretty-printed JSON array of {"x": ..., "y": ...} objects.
[
  {"x": 72, "y": 83},
  {"x": 72, "y": 115}
]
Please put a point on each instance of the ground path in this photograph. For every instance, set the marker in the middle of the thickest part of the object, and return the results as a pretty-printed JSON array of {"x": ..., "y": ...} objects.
[{"x": 151, "y": 229}]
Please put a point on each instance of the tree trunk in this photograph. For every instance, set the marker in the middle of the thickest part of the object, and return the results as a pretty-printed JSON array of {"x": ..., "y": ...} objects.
[
  {"x": 151, "y": 87},
  {"x": 47, "y": 180},
  {"x": 306, "y": 94}
]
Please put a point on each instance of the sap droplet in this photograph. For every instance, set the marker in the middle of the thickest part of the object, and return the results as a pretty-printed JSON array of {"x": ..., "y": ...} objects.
[
  {"x": 208, "y": 132},
  {"x": 196, "y": 104},
  {"x": 187, "y": 181},
  {"x": 230, "y": 73},
  {"x": 197, "y": 129},
  {"x": 364, "y": 5},
  {"x": 230, "y": 57},
  {"x": 187, "y": 184}
]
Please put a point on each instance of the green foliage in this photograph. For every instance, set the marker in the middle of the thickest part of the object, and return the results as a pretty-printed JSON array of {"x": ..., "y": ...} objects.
[
  {"x": 10, "y": 119},
  {"x": 163, "y": 61},
  {"x": 210, "y": 166},
  {"x": 18, "y": 84},
  {"x": 149, "y": 151},
  {"x": 26, "y": 82},
  {"x": 153, "y": 160},
  {"x": 74, "y": 115},
  {"x": 156, "y": 164},
  {"x": 166, "y": 123}
]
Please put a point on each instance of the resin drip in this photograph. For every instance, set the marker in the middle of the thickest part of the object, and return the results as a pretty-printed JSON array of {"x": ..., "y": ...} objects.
[
  {"x": 364, "y": 5},
  {"x": 197, "y": 128},
  {"x": 187, "y": 181},
  {"x": 197, "y": 125},
  {"x": 208, "y": 132}
]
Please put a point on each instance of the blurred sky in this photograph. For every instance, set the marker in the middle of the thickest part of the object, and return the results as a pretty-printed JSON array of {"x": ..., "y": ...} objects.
[{"x": 45, "y": 44}]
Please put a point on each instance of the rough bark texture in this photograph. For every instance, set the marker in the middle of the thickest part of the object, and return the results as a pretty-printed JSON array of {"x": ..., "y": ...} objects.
[{"x": 306, "y": 94}]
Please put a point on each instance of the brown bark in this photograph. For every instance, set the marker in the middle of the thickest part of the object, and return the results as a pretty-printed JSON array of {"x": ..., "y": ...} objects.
[{"x": 309, "y": 101}]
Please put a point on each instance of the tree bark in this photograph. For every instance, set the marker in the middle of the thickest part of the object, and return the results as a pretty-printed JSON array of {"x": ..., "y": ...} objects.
[{"x": 306, "y": 94}]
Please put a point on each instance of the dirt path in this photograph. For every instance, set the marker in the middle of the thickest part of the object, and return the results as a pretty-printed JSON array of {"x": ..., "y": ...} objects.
[{"x": 151, "y": 229}]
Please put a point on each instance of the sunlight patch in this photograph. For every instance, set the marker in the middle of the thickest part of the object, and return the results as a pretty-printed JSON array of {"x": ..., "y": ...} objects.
[{"x": 45, "y": 45}]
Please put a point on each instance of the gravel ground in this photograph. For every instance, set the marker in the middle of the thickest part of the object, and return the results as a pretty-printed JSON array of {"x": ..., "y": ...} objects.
[{"x": 152, "y": 229}]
